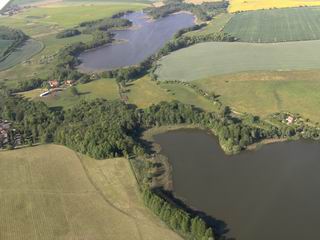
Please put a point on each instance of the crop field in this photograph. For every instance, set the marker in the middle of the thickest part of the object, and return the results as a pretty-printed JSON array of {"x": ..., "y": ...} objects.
[
  {"x": 102, "y": 88},
  {"x": 217, "y": 58},
  {"x": 277, "y": 25},
  {"x": 21, "y": 54},
  {"x": 247, "y": 5},
  {"x": 49, "y": 192},
  {"x": 264, "y": 93}
]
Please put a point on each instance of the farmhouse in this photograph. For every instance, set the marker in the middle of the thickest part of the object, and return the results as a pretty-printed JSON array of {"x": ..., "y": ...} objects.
[
  {"x": 68, "y": 82},
  {"x": 290, "y": 119},
  {"x": 54, "y": 83}
]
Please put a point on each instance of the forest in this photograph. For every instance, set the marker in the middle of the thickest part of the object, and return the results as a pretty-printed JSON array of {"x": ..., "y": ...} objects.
[{"x": 101, "y": 128}]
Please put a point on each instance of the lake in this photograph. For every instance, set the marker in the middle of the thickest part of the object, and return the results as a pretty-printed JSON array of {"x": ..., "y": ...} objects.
[
  {"x": 138, "y": 43},
  {"x": 271, "y": 193}
]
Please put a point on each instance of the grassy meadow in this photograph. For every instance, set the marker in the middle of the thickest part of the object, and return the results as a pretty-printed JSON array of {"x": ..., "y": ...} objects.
[
  {"x": 50, "y": 192},
  {"x": 214, "y": 26},
  {"x": 263, "y": 93},
  {"x": 217, "y": 58},
  {"x": 144, "y": 92},
  {"x": 102, "y": 88},
  {"x": 247, "y": 5},
  {"x": 277, "y": 25},
  {"x": 70, "y": 15}
]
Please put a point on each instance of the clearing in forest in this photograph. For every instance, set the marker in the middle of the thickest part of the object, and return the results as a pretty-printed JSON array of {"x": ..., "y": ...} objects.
[
  {"x": 246, "y": 5},
  {"x": 50, "y": 192},
  {"x": 277, "y": 25}
]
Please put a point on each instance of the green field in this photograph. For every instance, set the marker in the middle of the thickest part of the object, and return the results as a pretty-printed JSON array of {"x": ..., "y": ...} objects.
[
  {"x": 214, "y": 26},
  {"x": 144, "y": 92},
  {"x": 102, "y": 88},
  {"x": 277, "y": 25},
  {"x": 4, "y": 44},
  {"x": 21, "y": 54},
  {"x": 70, "y": 15},
  {"x": 50, "y": 192},
  {"x": 217, "y": 58},
  {"x": 264, "y": 93}
]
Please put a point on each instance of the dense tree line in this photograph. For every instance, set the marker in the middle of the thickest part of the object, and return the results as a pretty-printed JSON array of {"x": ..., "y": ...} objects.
[
  {"x": 105, "y": 24},
  {"x": 29, "y": 84},
  {"x": 176, "y": 218},
  {"x": 99, "y": 128},
  {"x": 68, "y": 33},
  {"x": 16, "y": 36},
  {"x": 34, "y": 121}
]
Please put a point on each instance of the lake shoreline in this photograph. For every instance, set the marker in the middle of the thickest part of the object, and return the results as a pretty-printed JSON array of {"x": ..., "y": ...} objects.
[
  {"x": 207, "y": 180},
  {"x": 135, "y": 41},
  {"x": 165, "y": 180}
]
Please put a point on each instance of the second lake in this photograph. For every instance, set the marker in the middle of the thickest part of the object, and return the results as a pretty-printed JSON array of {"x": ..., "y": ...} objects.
[{"x": 138, "y": 43}]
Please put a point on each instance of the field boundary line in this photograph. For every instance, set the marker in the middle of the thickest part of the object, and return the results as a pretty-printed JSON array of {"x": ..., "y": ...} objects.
[{"x": 98, "y": 189}]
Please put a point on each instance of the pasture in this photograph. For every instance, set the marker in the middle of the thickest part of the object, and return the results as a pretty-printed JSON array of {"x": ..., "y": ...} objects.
[
  {"x": 277, "y": 25},
  {"x": 263, "y": 93},
  {"x": 144, "y": 92},
  {"x": 50, "y": 192},
  {"x": 102, "y": 88},
  {"x": 247, "y": 5},
  {"x": 218, "y": 58}
]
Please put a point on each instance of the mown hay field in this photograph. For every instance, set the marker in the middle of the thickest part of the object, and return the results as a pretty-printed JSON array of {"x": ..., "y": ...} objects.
[
  {"x": 247, "y": 5},
  {"x": 50, "y": 192},
  {"x": 264, "y": 93},
  {"x": 218, "y": 58},
  {"x": 277, "y": 25}
]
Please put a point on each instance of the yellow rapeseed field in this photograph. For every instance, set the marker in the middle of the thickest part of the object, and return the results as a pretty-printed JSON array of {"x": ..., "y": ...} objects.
[{"x": 247, "y": 5}]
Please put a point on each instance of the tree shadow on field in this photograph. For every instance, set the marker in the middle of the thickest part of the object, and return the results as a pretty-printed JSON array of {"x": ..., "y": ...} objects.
[{"x": 220, "y": 227}]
